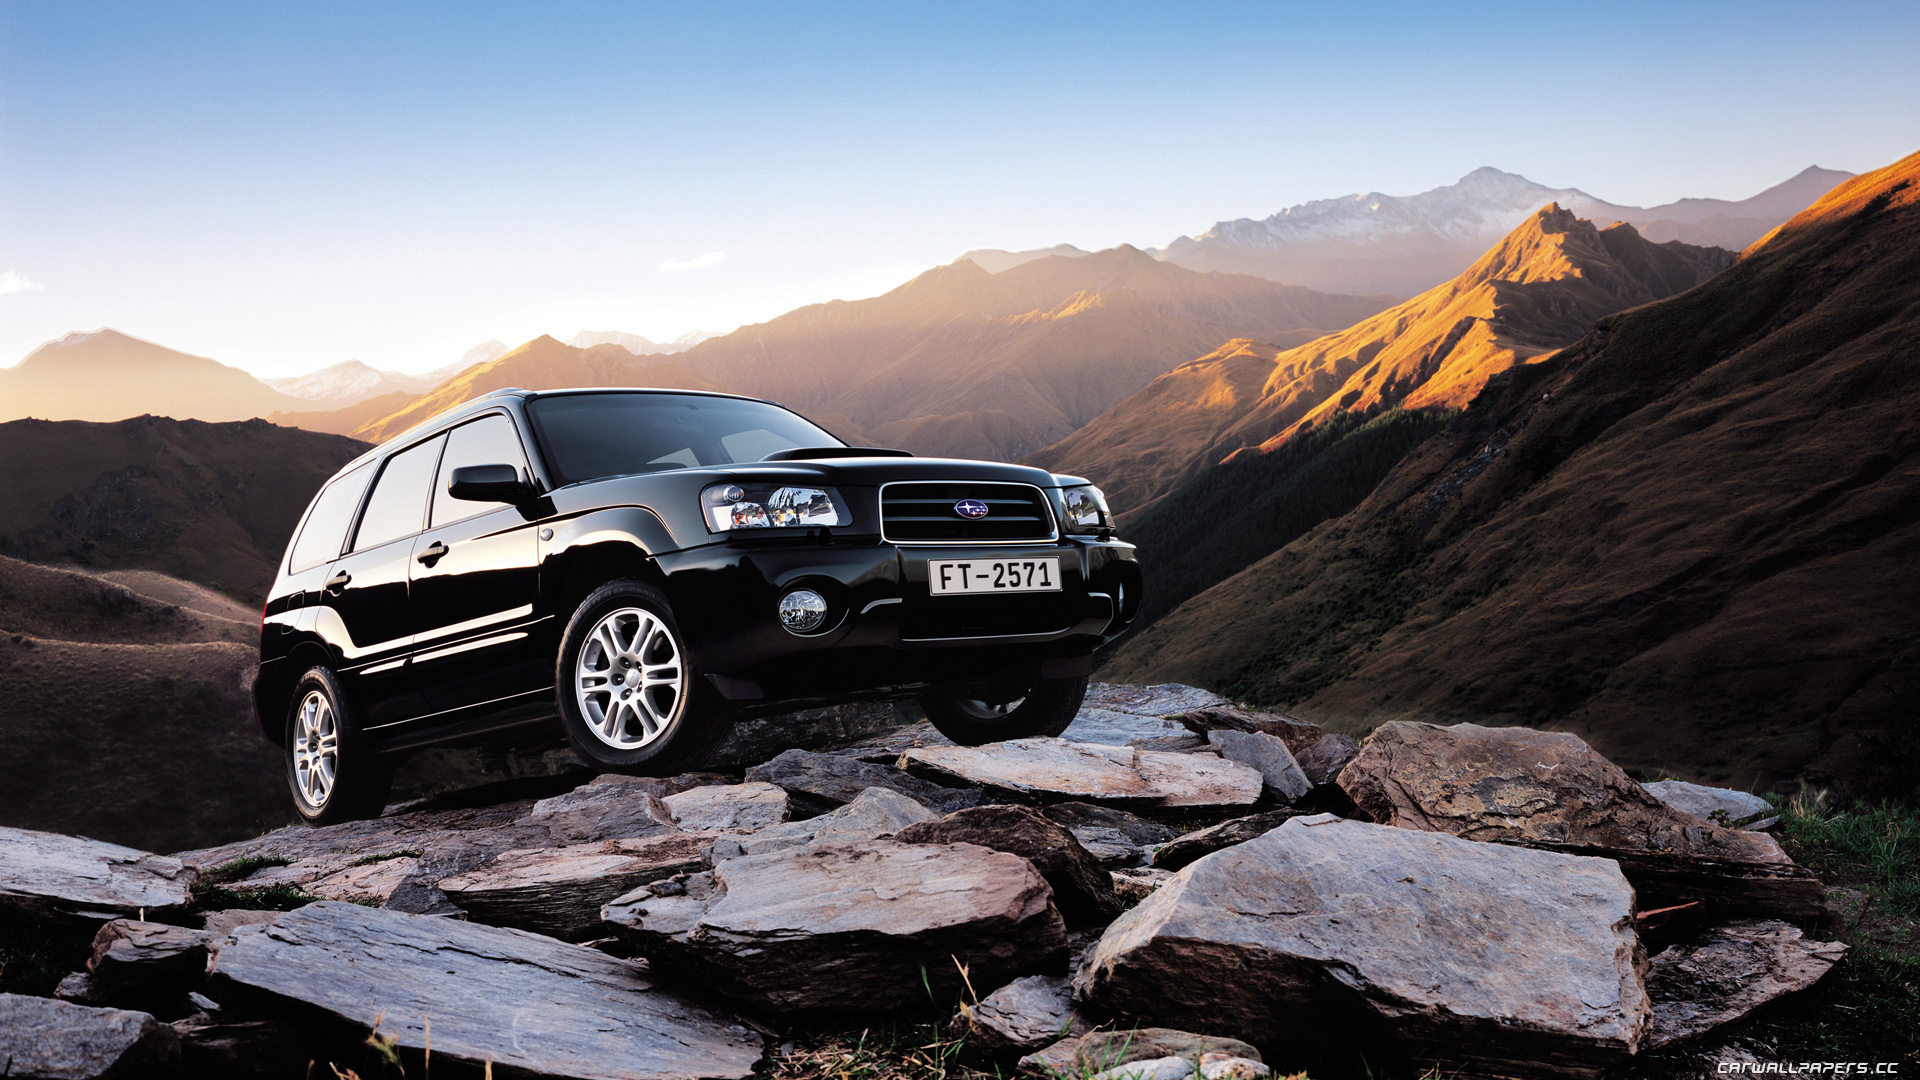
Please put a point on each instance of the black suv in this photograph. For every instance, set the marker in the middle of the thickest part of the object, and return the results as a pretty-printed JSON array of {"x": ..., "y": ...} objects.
[{"x": 642, "y": 566}]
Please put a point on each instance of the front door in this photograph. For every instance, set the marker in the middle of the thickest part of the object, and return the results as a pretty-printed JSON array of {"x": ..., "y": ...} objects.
[{"x": 476, "y": 579}]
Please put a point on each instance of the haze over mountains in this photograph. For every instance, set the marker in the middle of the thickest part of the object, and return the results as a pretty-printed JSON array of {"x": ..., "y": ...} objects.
[
  {"x": 1692, "y": 537},
  {"x": 107, "y": 375}
]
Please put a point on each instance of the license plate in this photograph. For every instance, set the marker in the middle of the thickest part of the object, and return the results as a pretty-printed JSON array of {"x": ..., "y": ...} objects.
[{"x": 948, "y": 577}]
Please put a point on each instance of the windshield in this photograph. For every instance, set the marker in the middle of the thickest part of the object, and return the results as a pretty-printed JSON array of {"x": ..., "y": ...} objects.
[{"x": 589, "y": 436}]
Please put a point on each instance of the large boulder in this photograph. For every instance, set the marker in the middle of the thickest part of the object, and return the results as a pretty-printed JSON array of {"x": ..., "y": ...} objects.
[
  {"x": 1082, "y": 889},
  {"x": 1297, "y": 734},
  {"x": 1055, "y": 770},
  {"x": 1548, "y": 789},
  {"x": 45, "y": 1038},
  {"x": 1323, "y": 760},
  {"x": 849, "y": 926},
  {"x": 49, "y": 876},
  {"x": 1724, "y": 973},
  {"x": 527, "y": 1003},
  {"x": 818, "y": 783},
  {"x": 1281, "y": 776},
  {"x": 559, "y": 891},
  {"x": 875, "y": 813},
  {"x": 1473, "y": 956}
]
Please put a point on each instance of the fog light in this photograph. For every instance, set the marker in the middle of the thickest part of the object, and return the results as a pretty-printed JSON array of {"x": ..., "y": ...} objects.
[{"x": 803, "y": 611}]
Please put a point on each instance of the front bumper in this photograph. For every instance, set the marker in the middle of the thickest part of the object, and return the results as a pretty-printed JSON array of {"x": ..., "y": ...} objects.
[{"x": 886, "y": 634}]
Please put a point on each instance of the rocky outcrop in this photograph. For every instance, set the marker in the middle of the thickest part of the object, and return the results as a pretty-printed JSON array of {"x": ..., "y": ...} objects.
[
  {"x": 41, "y": 1037},
  {"x": 1549, "y": 789},
  {"x": 849, "y": 926},
  {"x": 877, "y": 812},
  {"x": 818, "y": 783},
  {"x": 559, "y": 891},
  {"x": 1719, "y": 806},
  {"x": 1482, "y": 957},
  {"x": 523, "y": 1002},
  {"x": 1054, "y": 770},
  {"x": 1082, "y": 890},
  {"x": 734, "y": 806},
  {"x": 49, "y": 876},
  {"x": 1021, "y": 1017},
  {"x": 1727, "y": 972}
]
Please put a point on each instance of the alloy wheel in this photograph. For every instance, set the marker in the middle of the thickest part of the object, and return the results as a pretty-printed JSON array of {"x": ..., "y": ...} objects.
[
  {"x": 629, "y": 678},
  {"x": 316, "y": 749}
]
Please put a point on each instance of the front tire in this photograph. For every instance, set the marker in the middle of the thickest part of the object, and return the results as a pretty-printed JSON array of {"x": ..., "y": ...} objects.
[
  {"x": 1044, "y": 710},
  {"x": 334, "y": 774},
  {"x": 629, "y": 697}
]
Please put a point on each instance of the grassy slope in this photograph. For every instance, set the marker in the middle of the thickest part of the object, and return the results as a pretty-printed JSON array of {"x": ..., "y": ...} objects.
[{"x": 1691, "y": 537}]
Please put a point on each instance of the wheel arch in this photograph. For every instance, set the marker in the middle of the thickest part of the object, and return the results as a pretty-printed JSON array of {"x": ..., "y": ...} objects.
[{"x": 276, "y": 683}]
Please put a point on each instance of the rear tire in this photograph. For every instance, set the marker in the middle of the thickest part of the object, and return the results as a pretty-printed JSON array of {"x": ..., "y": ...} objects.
[
  {"x": 1044, "y": 710},
  {"x": 332, "y": 771},
  {"x": 630, "y": 697}
]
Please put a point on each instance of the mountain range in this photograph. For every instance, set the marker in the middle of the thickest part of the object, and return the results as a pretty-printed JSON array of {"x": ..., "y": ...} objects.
[
  {"x": 107, "y": 375},
  {"x": 350, "y": 382},
  {"x": 637, "y": 345},
  {"x": 1689, "y": 537}
]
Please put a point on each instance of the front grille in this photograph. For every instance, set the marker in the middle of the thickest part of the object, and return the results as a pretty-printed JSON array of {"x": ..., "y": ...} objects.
[{"x": 923, "y": 513}]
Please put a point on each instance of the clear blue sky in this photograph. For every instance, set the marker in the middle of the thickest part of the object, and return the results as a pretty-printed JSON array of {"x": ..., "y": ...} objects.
[{"x": 283, "y": 186}]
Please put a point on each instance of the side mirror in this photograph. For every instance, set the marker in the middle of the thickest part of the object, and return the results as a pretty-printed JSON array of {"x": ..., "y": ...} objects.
[{"x": 488, "y": 483}]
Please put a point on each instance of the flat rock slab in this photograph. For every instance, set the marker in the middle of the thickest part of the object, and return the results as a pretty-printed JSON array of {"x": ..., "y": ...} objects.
[
  {"x": 1112, "y": 728},
  {"x": 876, "y": 813},
  {"x": 1203, "y": 842},
  {"x": 42, "y": 1037},
  {"x": 1727, "y": 972},
  {"x": 1297, "y": 734},
  {"x": 50, "y": 876},
  {"x": 1082, "y": 889},
  {"x": 1053, "y": 770},
  {"x": 1281, "y": 776},
  {"x": 1102, "y": 1050},
  {"x": 1159, "y": 699},
  {"x": 1478, "y": 957},
  {"x": 1550, "y": 790},
  {"x": 559, "y": 891},
  {"x": 133, "y": 955},
  {"x": 1721, "y": 806},
  {"x": 818, "y": 783},
  {"x": 520, "y": 1000},
  {"x": 735, "y": 806},
  {"x": 1021, "y": 1017},
  {"x": 850, "y": 926}
]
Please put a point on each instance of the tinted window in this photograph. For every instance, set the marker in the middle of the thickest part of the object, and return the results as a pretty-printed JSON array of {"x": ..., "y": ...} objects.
[
  {"x": 326, "y": 527},
  {"x": 398, "y": 506},
  {"x": 490, "y": 440},
  {"x": 593, "y": 435}
]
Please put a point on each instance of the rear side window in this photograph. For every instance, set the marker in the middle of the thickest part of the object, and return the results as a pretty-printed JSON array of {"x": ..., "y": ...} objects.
[
  {"x": 398, "y": 506},
  {"x": 490, "y": 440},
  {"x": 327, "y": 523}
]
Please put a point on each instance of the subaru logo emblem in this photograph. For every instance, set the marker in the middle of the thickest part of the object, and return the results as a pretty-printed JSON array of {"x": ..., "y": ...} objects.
[{"x": 970, "y": 508}]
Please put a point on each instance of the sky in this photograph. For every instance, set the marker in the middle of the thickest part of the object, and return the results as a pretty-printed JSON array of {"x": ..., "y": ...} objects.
[{"x": 286, "y": 186}]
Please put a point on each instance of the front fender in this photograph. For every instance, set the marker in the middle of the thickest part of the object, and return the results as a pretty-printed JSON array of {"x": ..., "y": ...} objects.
[{"x": 586, "y": 551}]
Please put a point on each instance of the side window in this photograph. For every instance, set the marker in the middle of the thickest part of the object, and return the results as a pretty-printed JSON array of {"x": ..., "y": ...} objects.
[
  {"x": 326, "y": 528},
  {"x": 490, "y": 440},
  {"x": 398, "y": 506}
]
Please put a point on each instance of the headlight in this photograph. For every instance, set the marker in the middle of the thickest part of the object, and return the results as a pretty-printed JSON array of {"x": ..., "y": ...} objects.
[
  {"x": 767, "y": 506},
  {"x": 1086, "y": 509}
]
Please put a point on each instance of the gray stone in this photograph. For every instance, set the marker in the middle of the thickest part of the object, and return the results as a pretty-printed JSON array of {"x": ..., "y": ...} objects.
[
  {"x": 1323, "y": 760},
  {"x": 1019, "y": 1018},
  {"x": 1134, "y": 884},
  {"x": 849, "y": 926},
  {"x": 559, "y": 891},
  {"x": 522, "y": 1001},
  {"x": 1049, "y": 770},
  {"x": 757, "y": 739},
  {"x": 1721, "y": 806},
  {"x": 222, "y": 923},
  {"x": 818, "y": 783},
  {"x": 1280, "y": 775},
  {"x": 1215, "y": 1065},
  {"x": 49, "y": 876},
  {"x": 1109, "y": 847},
  {"x": 1163, "y": 1068},
  {"x": 83, "y": 988},
  {"x": 1550, "y": 790},
  {"x": 1483, "y": 958},
  {"x": 1138, "y": 830},
  {"x": 133, "y": 956},
  {"x": 736, "y": 806},
  {"x": 1099, "y": 1050},
  {"x": 1297, "y": 734},
  {"x": 611, "y": 806},
  {"x": 42, "y": 1037},
  {"x": 1727, "y": 972},
  {"x": 1093, "y": 725},
  {"x": 1161, "y": 699},
  {"x": 1082, "y": 890},
  {"x": 877, "y": 812},
  {"x": 1185, "y": 849}
]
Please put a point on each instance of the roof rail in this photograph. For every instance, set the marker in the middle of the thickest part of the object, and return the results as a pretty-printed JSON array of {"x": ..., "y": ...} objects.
[{"x": 502, "y": 391}]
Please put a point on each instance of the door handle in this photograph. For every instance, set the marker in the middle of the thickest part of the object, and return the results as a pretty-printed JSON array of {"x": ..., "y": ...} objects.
[
  {"x": 337, "y": 582},
  {"x": 432, "y": 554}
]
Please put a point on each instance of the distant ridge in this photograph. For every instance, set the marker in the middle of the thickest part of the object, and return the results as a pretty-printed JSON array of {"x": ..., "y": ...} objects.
[
  {"x": 106, "y": 375},
  {"x": 994, "y": 260},
  {"x": 351, "y": 382}
]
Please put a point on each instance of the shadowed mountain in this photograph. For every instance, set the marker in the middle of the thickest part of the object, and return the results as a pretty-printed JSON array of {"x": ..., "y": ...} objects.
[
  {"x": 1538, "y": 289},
  {"x": 1407, "y": 244},
  {"x": 211, "y": 503},
  {"x": 1692, "y": 537},
  {"x": 106, "y": 375},
  {"x": 961, "y": 361}
]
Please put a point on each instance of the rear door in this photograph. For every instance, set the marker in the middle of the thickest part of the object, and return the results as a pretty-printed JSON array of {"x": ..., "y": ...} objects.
[
  {"x": 365, "y": 596},
  {"x": 476, "y": 580}
]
